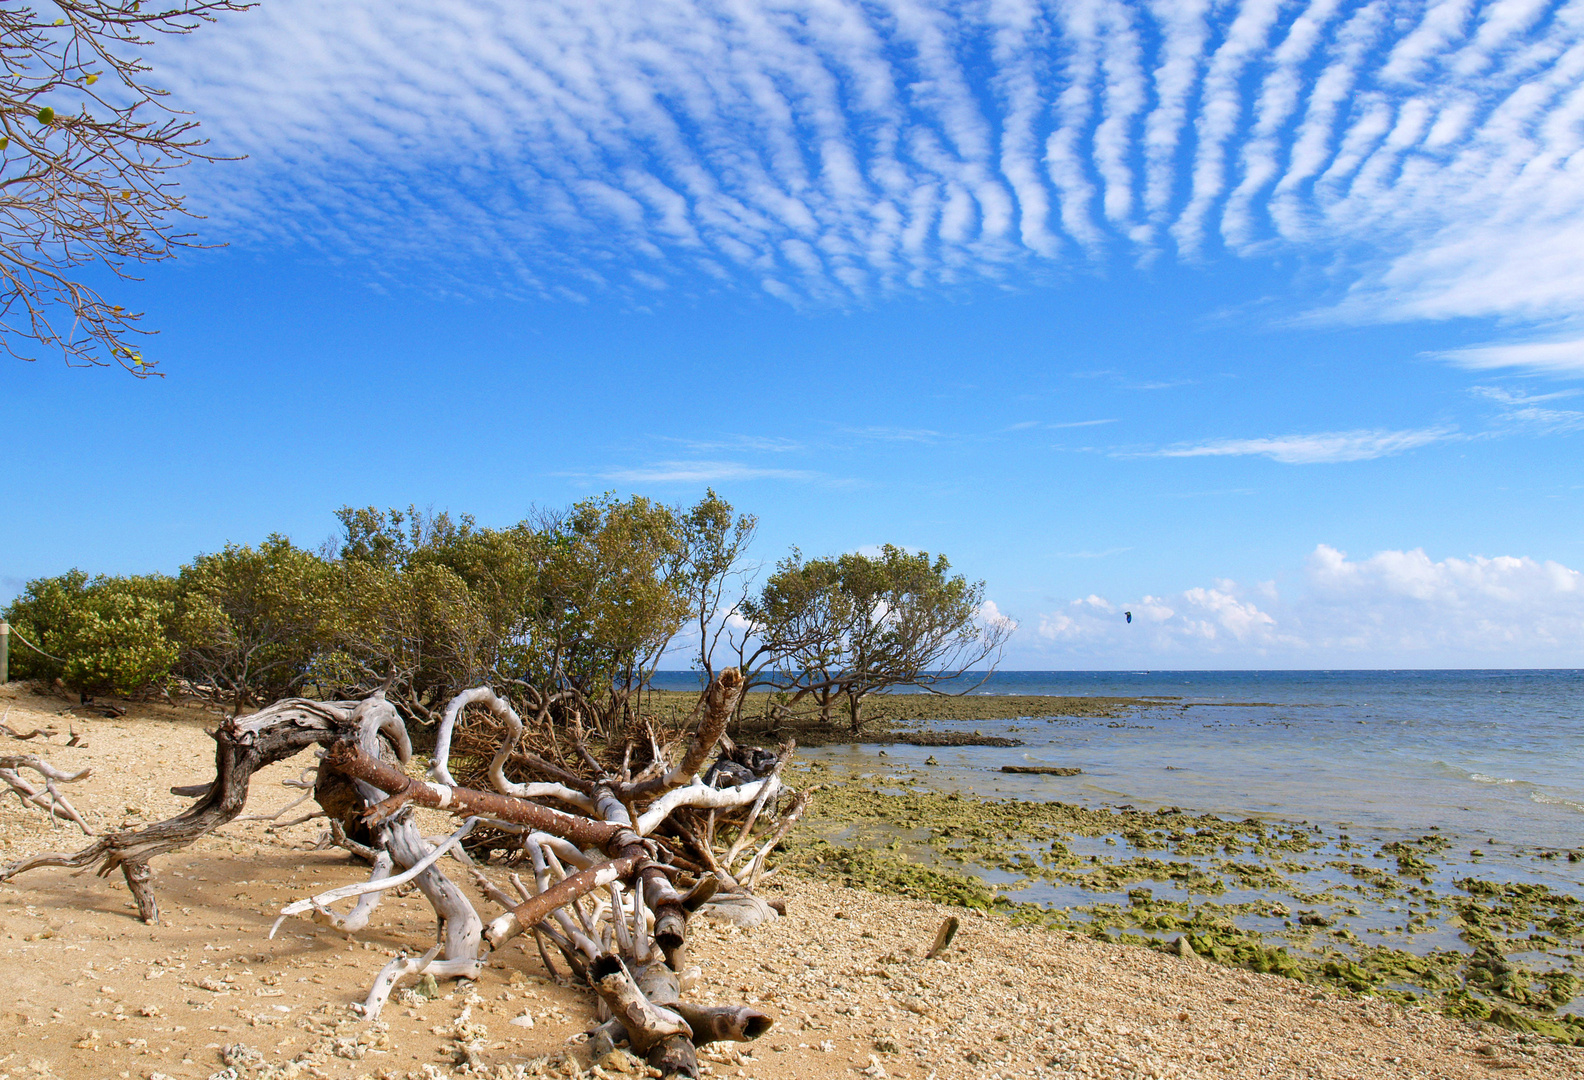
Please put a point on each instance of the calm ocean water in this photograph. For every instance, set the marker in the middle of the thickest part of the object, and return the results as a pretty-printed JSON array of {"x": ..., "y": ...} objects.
[{"x": 1479, "y": 754}]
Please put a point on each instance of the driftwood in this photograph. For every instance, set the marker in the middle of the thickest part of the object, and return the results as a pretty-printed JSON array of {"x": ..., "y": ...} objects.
[
  {"x": 47, "y": 798},
  {"x": 621, "y": 855},
  {"x": 943, "y": 937}
]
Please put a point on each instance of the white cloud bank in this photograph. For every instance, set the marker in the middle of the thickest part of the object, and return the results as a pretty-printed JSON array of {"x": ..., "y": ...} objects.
[
  {"x": 826, "y": 150},
  {"x": 1393, "y": 609}
]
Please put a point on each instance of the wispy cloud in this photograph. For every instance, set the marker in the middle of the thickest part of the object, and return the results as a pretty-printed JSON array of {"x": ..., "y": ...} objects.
[
  {"x": 705, "y": 472},
  {"x": 1159, "y": 384},
  {"x": 1321, "y": 448},
  {"x": 1504, "y": 396},
  {"x": 1125, "y": 382},
  {"x": 1107, "y": 553},
  {"x": 838, "y": 150},
  {"x": 1526, "y": 411},
  {"x": 1555, "y": 357},
  {"x": 894, "y": 434},
  {"x": 763, "y": 444},
  {"x": 1206, "y": 494},
  {"x": 1080, "y": 424}
]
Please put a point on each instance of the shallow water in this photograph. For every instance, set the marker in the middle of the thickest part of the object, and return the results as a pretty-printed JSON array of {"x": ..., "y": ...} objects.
[
  {"x": 1353, "y": 896},
  {"x": 1492, "y": 763},
  {"x": 1481, "y": 754}
]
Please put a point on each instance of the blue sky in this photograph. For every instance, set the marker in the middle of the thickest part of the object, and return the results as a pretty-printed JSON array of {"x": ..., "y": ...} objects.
[{"x": 1258, "y": 319}]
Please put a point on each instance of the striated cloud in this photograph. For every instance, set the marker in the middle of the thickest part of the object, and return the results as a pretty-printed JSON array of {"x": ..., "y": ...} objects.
[{"x": 827, "y": 152}]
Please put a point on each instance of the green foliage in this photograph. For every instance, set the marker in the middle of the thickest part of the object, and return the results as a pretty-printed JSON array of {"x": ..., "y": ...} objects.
[
  {"x": 111, "y": 632},
  {"x": 498, "y": 572},
  {"x": 858, "y": 623},
  {"x": 251, "y": 621},
  {"x": 40, "y": 614},
  {"x": 713, "y": 546},
  {"x": 379, "y": 539},
  {"x": 609, "y": 592},
  {"x": 414, "y": 631},
  {"x": 581, "y": 601},
  {"x": 571, "y": 609}
]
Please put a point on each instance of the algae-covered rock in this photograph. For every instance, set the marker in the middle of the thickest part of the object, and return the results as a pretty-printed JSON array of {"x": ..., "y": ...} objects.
[
  {"x": 1349, "y": 974},
  {"x": 882, "y": 871}
]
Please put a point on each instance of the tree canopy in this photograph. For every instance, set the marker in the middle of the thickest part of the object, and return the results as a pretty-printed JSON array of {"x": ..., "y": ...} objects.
[
  {"x": 568, "y": 609},
  {"x": 854, "y": 624}
]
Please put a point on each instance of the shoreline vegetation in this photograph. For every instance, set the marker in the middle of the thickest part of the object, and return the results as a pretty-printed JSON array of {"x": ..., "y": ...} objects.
[{"x": 896, "y": 718}]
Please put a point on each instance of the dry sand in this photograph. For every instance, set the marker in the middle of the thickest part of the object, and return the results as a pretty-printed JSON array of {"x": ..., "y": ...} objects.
[{"x": 92, "y": 992}]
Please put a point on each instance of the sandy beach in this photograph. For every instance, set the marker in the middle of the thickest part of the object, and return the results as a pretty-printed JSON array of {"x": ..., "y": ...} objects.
[{"x": 98, "y": 994}]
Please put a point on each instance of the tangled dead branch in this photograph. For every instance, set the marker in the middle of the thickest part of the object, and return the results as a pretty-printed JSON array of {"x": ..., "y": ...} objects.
[
  {"x": 621, "y": 856},
  {"x": 48, "y": 798}
]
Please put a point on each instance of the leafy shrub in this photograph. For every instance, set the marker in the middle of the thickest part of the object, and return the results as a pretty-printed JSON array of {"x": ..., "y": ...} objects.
[
  {"x": 251, "y": 620},
  {"x": 414, "y": 631},
  {"x": 112, "y": 634}
]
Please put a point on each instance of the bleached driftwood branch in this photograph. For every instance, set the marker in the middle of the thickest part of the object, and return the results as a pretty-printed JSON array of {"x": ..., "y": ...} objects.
[{"x": 48, "y": 798}]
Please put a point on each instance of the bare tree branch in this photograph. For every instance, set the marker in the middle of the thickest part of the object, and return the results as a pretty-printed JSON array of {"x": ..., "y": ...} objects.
[{"x": 88, "y": 148}]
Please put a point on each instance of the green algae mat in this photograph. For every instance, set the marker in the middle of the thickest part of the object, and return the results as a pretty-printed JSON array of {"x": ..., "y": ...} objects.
[{"x": 1480, "y": 934}]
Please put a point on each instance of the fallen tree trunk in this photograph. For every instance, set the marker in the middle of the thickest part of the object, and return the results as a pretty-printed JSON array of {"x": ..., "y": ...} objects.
[
  {"x": 537, "y": 909},
  {"x": 352, "y": 761}
]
